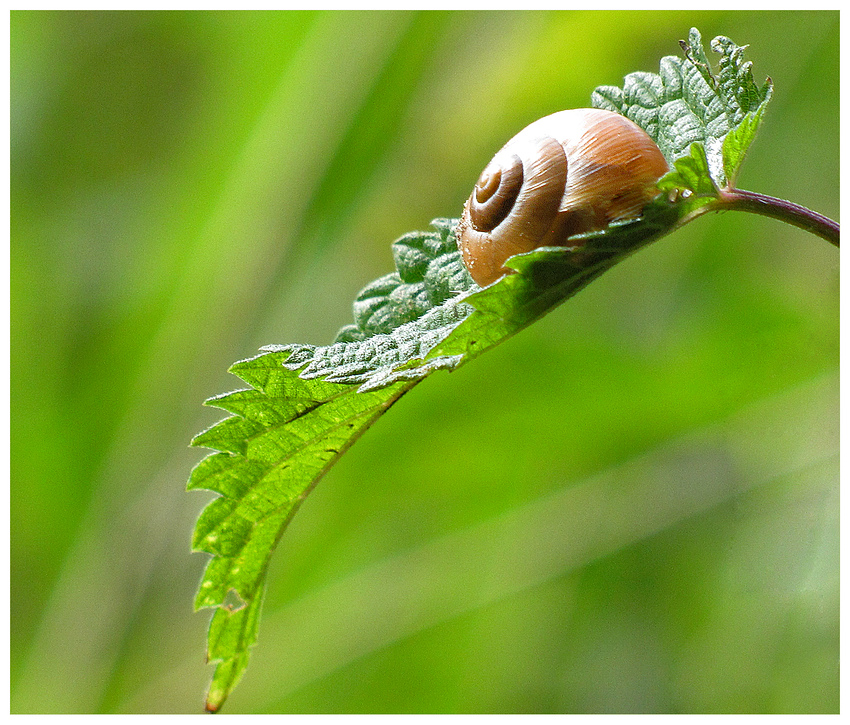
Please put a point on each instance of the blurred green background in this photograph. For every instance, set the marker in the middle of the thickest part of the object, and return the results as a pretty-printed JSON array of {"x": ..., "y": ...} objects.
[{"x": 632, "y": 506}]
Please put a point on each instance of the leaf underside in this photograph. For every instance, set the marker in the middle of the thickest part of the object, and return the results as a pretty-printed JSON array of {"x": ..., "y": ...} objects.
[{"x": 305, "y": 405}]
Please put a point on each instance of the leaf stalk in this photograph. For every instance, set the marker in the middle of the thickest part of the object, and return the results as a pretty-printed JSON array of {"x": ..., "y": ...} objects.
[{"x": 786, "y": 211}]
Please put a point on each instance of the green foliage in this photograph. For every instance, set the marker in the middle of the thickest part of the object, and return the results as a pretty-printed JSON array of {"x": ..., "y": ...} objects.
[
  {"x": 688, "y": 102},
  {"x": 307, "y": 404},
  {"x": 398, "y": 318},
  {"x": 186, "y": 187},
  {"x": 284, "y": 434}
]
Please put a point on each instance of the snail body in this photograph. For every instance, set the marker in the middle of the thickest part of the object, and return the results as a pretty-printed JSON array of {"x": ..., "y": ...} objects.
[{"x": 571, "y": 172}]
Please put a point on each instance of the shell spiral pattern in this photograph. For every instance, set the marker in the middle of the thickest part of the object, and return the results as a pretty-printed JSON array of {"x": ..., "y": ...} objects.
[{"x": 571, "y": 172}]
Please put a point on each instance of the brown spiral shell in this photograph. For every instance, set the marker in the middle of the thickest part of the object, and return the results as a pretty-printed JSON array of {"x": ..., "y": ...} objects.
[{"x": 571, "y": 172}]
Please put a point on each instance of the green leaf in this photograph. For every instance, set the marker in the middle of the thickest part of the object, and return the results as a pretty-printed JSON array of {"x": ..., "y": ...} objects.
[
  {"x": 397, "y": 318},
  {"x": 688, "y": 102},
  {"x": 285, "y": 433},
  {"x": 737, "y": 141},
  {"x": 232, "y": 632},
  {"x": 690, "y": 181},
  {"x": 307, "y": 404}
]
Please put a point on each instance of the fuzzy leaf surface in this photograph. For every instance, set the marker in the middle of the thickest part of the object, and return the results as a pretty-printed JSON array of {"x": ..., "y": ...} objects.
[{"x": 689, "y": 102}]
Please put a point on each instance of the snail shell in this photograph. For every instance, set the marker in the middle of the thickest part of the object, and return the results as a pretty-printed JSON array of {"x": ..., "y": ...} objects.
[{"x": 571, "y": 172}]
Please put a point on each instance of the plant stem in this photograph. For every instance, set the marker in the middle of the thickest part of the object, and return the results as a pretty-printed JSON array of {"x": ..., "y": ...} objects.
[{"x": 786, "y": 211}]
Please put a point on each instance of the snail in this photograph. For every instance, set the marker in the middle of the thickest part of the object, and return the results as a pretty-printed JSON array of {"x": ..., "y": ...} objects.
[{"x": 571, "y": 172}]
